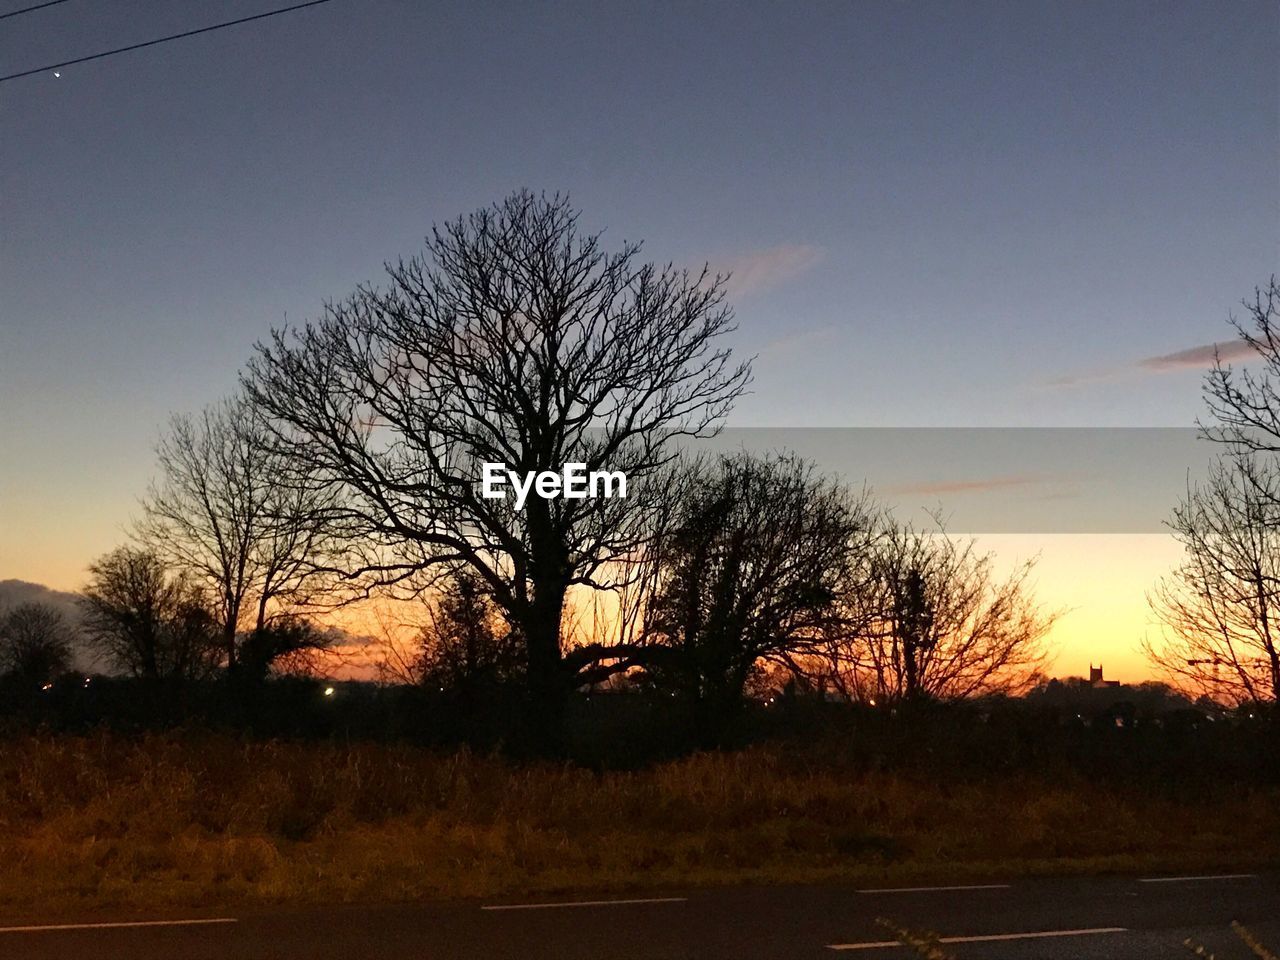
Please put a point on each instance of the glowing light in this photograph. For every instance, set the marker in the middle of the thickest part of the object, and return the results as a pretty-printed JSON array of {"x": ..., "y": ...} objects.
[{"x": 328, "y": 691}]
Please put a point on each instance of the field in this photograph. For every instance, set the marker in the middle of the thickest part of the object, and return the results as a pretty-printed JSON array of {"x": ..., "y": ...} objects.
[{"x": 104, "y": 820}]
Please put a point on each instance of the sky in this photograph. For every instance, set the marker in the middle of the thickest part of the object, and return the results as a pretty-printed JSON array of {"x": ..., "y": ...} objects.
[{"x": 937, "y": 214}]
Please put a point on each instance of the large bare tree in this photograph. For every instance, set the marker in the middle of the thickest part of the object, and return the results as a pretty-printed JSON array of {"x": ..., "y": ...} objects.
[
  {"x": 515, "y": 338},
  {"x": 1220, "y": 607},
  {"x": 929, "y": 618},
  {"x": 252, "y": 525}
]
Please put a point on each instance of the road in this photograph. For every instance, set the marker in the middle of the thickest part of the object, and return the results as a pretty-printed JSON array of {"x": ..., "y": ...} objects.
[{"x": 1116, "y": 918}]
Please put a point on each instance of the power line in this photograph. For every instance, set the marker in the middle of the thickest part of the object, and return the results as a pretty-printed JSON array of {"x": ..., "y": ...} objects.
[
  {"x": 152, "y": 43},
  {"x": 38, "y": 6}
]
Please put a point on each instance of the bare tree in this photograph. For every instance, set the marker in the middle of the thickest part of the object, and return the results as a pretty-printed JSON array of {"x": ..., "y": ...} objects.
[
  {"x": 930, "y": 619},
  {"x": 514, "y": 339},
  {"x": 749, "y": 572},
  {"x": 1244, "y": 404},
  {"x": 250, "y": 524},
  {"x": 148, "y": 622},
  {"x": 35, "y": 644},
  {"x": 1220, "y": 606}
]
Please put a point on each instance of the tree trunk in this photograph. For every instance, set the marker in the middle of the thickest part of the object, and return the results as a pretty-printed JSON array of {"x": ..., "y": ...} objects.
[
  {"x": 548, "y": 681},
  {"x": 718, "y": 711},
  {"x": 229, "y": 644}
]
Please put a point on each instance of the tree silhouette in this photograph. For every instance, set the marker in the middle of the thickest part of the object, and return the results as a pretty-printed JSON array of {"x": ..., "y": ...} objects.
[
  {"x": 251, "y": 525},
  {"x": 748, "y": 572},
  {"x": 927, "y": 618},
  {"x": 35, "y": 644},
  {"x": 1244, "y": 404},
  {"x": 513, "y": 339},
  {"x": 148, "y": 622},
  {"x": 466, "y": 647},
  {"x": 1220, "y": 606}
]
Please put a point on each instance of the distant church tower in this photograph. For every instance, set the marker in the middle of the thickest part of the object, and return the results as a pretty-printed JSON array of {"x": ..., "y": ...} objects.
[{"x": 1096, "y": 679}]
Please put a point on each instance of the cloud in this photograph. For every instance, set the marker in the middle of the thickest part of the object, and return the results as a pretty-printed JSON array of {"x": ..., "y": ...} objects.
[
  {"x": 1196, "y": 357},
  {"x": 16, "y": 592},
  {"x": 1192, "y": 358},
  {"x": 762, "y": 270},
  {"x": 943, "y": 487}
]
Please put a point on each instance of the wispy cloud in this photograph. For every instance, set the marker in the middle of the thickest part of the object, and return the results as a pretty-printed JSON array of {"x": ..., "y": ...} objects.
[
  {"x": 978, "y": 485},
  {"x": 1192, "y": 358},
  {"x": 1196, "y": 357},
  {"x": 762, "y": 270}
]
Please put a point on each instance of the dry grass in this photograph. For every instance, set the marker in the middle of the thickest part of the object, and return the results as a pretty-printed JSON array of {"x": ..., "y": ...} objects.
[{"x": 107, "y": 821}]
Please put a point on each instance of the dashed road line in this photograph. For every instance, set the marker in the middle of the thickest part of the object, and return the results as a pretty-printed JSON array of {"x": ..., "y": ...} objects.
[
  {"x": 114, "y": 925},
  {"x": 1215, "y": 876},
  {"x": 581, "y": 903},
  {"x": 971, "y": 886},
  {"x": 983, "y": 938}
]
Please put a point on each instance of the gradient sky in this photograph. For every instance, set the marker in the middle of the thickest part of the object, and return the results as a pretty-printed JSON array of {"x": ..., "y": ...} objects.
[{"x": 962, "y": 214}]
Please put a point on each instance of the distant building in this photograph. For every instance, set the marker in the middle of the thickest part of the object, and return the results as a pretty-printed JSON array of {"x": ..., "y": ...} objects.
[{"x": 1096, "y": 679}]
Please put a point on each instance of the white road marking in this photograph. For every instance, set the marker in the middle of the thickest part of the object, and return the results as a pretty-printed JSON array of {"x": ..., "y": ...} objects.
[
  {"x": 986, "y": 938},
  {"x": 868, "y": 945},
  {"x": 975, "y": 886},
  {"x": 581, "y": 903},
  {"x": 114, "y": 925},
  {"x": 1216, "y": 876}
]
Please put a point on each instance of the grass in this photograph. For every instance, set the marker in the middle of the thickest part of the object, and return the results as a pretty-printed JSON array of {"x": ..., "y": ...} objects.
[{"x": 105, "y": 821}]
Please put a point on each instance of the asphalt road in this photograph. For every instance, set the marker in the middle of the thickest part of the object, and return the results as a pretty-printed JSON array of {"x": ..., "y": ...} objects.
[{"x": 1103, "y": 917}]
